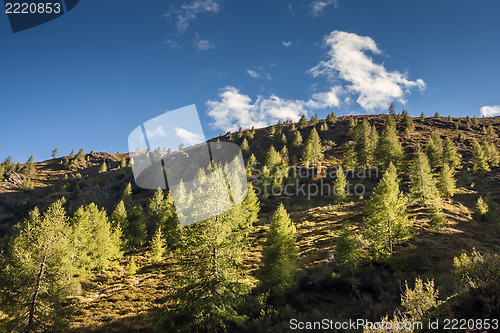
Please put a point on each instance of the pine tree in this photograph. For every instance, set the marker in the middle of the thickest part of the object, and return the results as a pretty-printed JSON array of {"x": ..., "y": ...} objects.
[
  {"x": 135, "y": 233},
  {"x": 324, "y": 127},
  {"x": 208, "y": 277},
  {"x": 392, "y": 110},
  {"x": 491, "y": 153},
  {"x": 244, "y": 146},
  {"x": 157, "y": 246},
  {"x": 446, "y": 182},
  {"x": 482, "y": 209},
  {"x": 348, "y": 250},
  {"x": 389, "y": 150},
  {"x": 54, "y": 153},
  {"x": 272, "y": 130},
  {"x": 252, "y": 166},
  {"x": 35, "y": 276},
  {"x": 450, "y": 154},
  {"x": 436, "y": 115},
  {"x": 273, "y": 158},
  {"x": 119, "y": 216},
  {"x": 297, "y": 140},
  {"x": 72, "y": 154},
  {"x": 277, "y": 273},
  {"x": 434, "y": 150},
  {"x": 408, "y": 123},
  {"x": 340, "y": 186},
  {"x": 313, "y": 151},
  {"x": 331, "y": 118},
  {"x": 103, "y": 168},
  {"x": 422, "y": 182},
  {"x": 365, "y": 139},
  {"x": 387, "y": 220},
  {"x": 30, "y": 166},
  {"x": 302, "y": 121},
  {"x": 475, "y": 122},
  {"x": 422, "y": 116},
  {"x": 314, "y": 120},
  {"x": 490, "y": 131},
  {"x": 127, "y": 195},
  {"x": 479, "y": 158}
]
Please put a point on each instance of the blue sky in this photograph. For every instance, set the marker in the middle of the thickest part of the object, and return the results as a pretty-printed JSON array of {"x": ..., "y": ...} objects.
[{"x": 88, "y": 78}]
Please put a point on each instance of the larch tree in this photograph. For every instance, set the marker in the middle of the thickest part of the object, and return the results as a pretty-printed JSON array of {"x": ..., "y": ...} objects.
[
  {"x": 387, "y": 220},
  {"x": 277, "y": 273},
  {"x": 422, "y": 182},
  {"x": 365, "y": 137},
  {"x": 135, "y": 232},
  {"x": 479, "y": 158},
  {"x": 389, "y": 149},
  {"x": 54, "y": 153},
  {"x": 303, "y": 121},
  {"x": 450, "y": 154},
  {"x": 313, "y": 150},
  {"x": 491, "y": 153},
  {"x": 127, "y": 195},
  {"x": 434, "y": 150},
  {"x": 210, "y": 279},
  {"x": 340, "y": 185},
  {"x": 446, "y": 181},
  {"x": 37, "y": 270}
]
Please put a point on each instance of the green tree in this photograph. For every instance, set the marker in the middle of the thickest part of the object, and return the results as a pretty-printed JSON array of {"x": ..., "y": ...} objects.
[
  {"x": 434, "y": 150},
  {"x": 365, "y": 139},
  {"x": 103, "y": 168},
  {"x": 479, "y": 158},
  {"x": 387, "y": 219},
  {"x": 35, "y": 276},
  {"x": 331, "y": 118},
  {"x": 491, "y": 153},
  {"x": 422, "y": 116},
  {"x": 482, "y": 209},
  {"x": 209, "y": 279},
  {"x": 303, "y": 121},
  {"x": 244, "y": 145},
  {"x": 313, "y": 151},
  {"x": 422, "y": 182},
  {"x": 273, "y": 158},
  {"x": 419, "y": 300},
  {"x": 348, "y": 250},
  {"x": 340, "y": 186},
  {"x": 392, "y": 110},
  {"x": 450, "y": 154},
  {"x": 157, "y": 246},
  {"x": 30, "y": 166},
  {"x": 389, "y": 150},
  {"x": 314, "y": 120},
  {"x": 135, "y": 231},
  {"x": 446, "y": 181},
  {"x": 54, "y": 153},
  {"x": 127, "y": 195},
  {"x": 277, "y": 273}
]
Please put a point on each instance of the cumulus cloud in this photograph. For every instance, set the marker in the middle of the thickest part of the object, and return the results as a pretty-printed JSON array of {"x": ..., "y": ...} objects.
[
  {"x": 157, "y": 132},
  {"x": 189, "y": 11},
  {"x": 375, "y": 86},
  {"x": 490, "y": 111},
  {"x": 201, "y": 44},
  {"x": 287, "y": 44},
  {"x": 187, "y": 137},
  {"x": 318, "y": 6},
  {"x": 235, "y": 109}
]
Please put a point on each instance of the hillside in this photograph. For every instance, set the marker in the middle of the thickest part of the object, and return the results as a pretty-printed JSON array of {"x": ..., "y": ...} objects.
[{"x": 114, "y": 301}]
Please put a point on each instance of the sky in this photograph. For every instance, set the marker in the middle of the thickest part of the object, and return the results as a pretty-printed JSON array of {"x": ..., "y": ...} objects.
[{"x": 90, "y": 77}]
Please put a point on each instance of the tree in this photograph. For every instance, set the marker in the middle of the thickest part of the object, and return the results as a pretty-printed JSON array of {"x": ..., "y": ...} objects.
[
  {"x": 387, "y": 220},
  {"x": 314, "y": 120},
  {"x": 479, "y": 159},
  {"x": 157, "y": 246},
  {"x": 313, "y": 151},
  {"x": 392, "y": 110},
  {"x": 208, "y": 276},
  {"x": 348, "y": 250},
  {"x": 436, "y": 115},
  {"x": 277, "y": 273},
  {"x": 37, "y": 270},
  {"x": 340, "y": 186},
  {"x": 482, "y": 209},
  {"x": 30, "y": 166},
  {"x": 54, "y": 153},
  {"x": 365, "y": 139},
  {"x": 389, "y": 150},
  {"x": 303, "y": 121},
  {"x": 244, "y": 145},
  {"x": 422, "y": 116},
  {"x": 408, "y": 123},
  {"x": 434, "y": 150},
  {"x": 446, "y": 181},
  {"x": 422, "y": 182},
  {"x": 103, "y": 168},
  {"x": 491, "y": 153},
  {"x": 419, "y": 300},
  {"x": 273, "y": 158},
  {"x": 297, "y": 140},
  {"x": 135, "y": 231},
  {"x": 450, "y": 154},
  {"x": 331, "y": 118},
  {"x": 127, "y": 195}
]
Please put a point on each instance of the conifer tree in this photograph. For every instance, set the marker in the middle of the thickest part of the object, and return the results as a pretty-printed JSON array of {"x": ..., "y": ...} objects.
[
  {"x": 8, "y": 165},
  {"x": 324, "y": 127},
  {"x": 72, "y": 154},
  {"x": 365, "y": 142},
  {"x": 313, "y": 151},
  {"x": 450, "y": 154},
  {"x": 446, "y": 181},
  {"x": 314, "y": 120},
  {"x": 392, "y": 110},
  {"x": 135, "y": 232},
  {"x": 272, "y": 130},
  {"x": 479, "y": 158},
  {"x": 482, "y": 209},
  {"x": 273, "y": 158},
  {"x": 127, "y": 195},
  {"x": 30, "y": 166},
  {"x": 491, "y": 153},
  {"x": 340, "y": 186},
  {"x": 157, "y": 246},
  {"x": 408, "y": 123},
  {"x": 490, "y": 131},
  {"x": 434, "y": 150},
  {"x": 422, "y": 182},
  {"x": 156, "y": 209},
  {"x": 331, "y": 118},
  {"x": 244, "y": 146},
  {"x": 35, "y": 276},
  {"x": 119, "y": 216},
  {"x": 348, "y": 250},
  {"x": 103, "y": 168},
  {"x": 389, "y": 150},
  {"x": 297, "y": 140},
  {"x": 475, "y": 122},
  {"x": 251, "y": 167},
  {"x": 54, "y": 153},
  {"x": 387, "y": 220},
  {"x": 422, "y": 116},
  {"x": 208, "y": 276},
  {"x": 277, "y": 273},
  {"x": 302, "y": 121}
]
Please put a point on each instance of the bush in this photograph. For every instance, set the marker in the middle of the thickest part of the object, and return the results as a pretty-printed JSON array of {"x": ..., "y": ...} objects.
[
  {"x": 476, "y": 270},
  {"x": 131, "y": 267}
]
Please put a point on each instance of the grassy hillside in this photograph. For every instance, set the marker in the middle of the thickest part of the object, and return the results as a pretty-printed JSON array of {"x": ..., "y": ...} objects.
[{"x": 113, "y": 301}]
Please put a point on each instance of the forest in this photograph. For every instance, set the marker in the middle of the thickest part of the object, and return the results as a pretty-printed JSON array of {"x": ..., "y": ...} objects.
[{"x": 387, "y": 219}]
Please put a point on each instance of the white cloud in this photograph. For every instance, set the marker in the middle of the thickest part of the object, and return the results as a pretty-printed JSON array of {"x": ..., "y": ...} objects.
[
  {"x": 202, "y": 45},
  {"x": 157, "y": 132},
  {"x": 318, "y": 6},
  {"x": 187, "y": 137},
  {"x": 189, "y": 11},
  {"x": 490, "y": 111},
  {"x": 287, "y": 44},
  {"x": 259, "y": 73},
  {"x": 375, "y": 86},
  {"x": 235, "y": 109}
]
